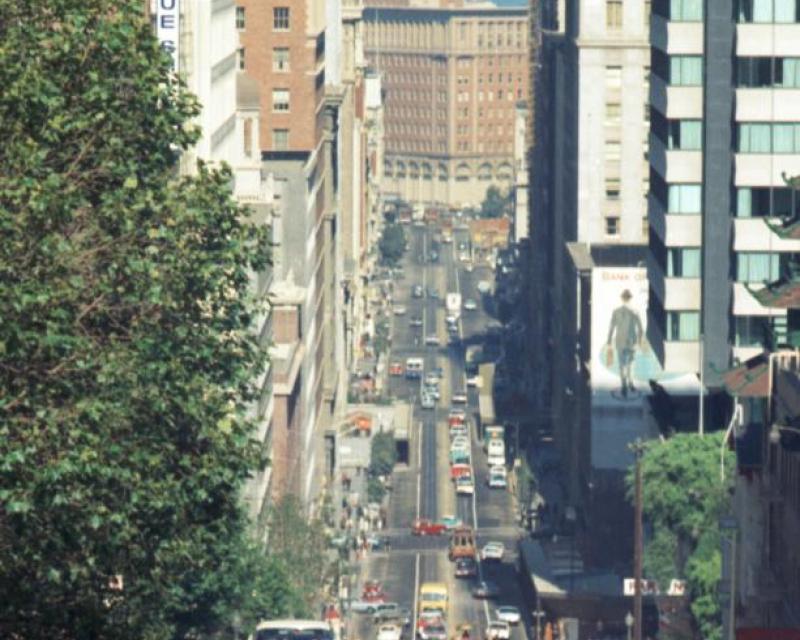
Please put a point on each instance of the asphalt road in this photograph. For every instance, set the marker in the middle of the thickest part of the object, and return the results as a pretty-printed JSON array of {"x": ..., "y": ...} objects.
[{"x": 424, "y": 489}]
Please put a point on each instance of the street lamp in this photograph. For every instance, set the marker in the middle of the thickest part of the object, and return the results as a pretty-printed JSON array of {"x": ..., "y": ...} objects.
[
  {"x": 629, "y": 623},
  {"x": 538, "y": 614}
]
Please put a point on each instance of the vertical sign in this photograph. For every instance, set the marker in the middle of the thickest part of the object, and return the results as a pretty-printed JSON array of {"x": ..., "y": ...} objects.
[{"x": 168, "y": 28}]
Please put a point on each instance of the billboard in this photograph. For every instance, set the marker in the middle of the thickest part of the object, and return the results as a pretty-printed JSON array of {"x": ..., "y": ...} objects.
[{"x": 622, "y": 361}]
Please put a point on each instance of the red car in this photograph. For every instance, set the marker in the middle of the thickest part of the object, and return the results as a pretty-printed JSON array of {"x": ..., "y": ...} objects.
[
  {"x": 372, "y": 590},
  {"x": 456, "y": 418},
  {"x": 396, "y": 369},
  {"x": 458, "y": 470},
  {"x": 425, "y": 527}
]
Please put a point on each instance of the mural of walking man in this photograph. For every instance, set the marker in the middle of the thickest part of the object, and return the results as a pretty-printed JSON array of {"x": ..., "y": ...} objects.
[{"x": 625, "y": 329}]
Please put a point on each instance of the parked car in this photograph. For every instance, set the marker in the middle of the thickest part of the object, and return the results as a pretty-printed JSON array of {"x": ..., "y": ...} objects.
[
  {"x": 400, "y": 310},
  {"x": 371, "y": 587},
  {"x": 425, "y": 527},
  {"x": 391, "y": 611},
  {"x": 459, "y": 442},
  {"x": 432, "y": 340},
  {"x": 485, "y": 590},
  {"x": 466, "y": 568},
  {"x": 493, "y": 551},
  {"x": 459, "y": 397},
  {"x": 427, "y": 401},
  {"x": 416, "y": 321},
  {"x": 498, "y": 630},
  {"x": 377, "y": 543},
  {"x": 508, "y": 614},
  {"x": 456, "y": 416},
  {"x": 417, "y": 291},
  {"x": 429, "y": 617},
  {"x": 392, "y": 632}
]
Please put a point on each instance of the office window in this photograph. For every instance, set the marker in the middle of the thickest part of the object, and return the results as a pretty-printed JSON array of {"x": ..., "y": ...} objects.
[
  {"x": 765, "y": 202},
  {"x": 280, "y": 18},
  {"x": 613, "y": 77},
  {"x": 612, "y": 225},
  {"x": 614, "y": 14},
  {"x": 612, "y": 188},
  {"x": 684, "y": 198},
  {"x": 686, "y": 135},
  {"x": 240, "y": 18},
  {"x": 613, "y": 151},
  {"x": 768, "y": 72},
  {"x": 240, "y": 55},
  {"x": 686, "y": 10},
  {"x": 756, "y": 267},
  {"x": 686, "y": 71},
  {"x": 280, "y": 59},
  {"x": 280, "y": 100},
  {"x": 613, "y": 114},
  {"x": 648, "y": 11},
  {"x": 683, "y": 263},
  {"x": 751, "y": 331},
  {"x": 762, "y": 137},
  {"x": 280, "y": 139},
  {"x": 768, "y": 11},
  {"x": 683, "y": 326}
]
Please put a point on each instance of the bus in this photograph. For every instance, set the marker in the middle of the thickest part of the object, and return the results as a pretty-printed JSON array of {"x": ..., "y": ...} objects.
[
  {"x": 462, "y": 544},
  {"x": 414, "y": 368},
  {"x": 293, "y": 630},
  {"x": 433, "y": 597}
]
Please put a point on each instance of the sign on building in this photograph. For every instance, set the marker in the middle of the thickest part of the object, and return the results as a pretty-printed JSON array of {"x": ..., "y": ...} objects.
[{"x": 168, "y": 20}]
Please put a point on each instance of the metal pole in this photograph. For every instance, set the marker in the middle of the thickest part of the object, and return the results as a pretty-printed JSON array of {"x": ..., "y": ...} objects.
[
  {"x": 637, "y": 546},
  {"x": 701, "y": 409},
  {"x": 732, "y": 606}
]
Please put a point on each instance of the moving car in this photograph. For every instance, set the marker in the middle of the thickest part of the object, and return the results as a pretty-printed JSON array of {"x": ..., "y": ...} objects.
[
  {"x": 466, "y": 568},
  {"x": 459, "y": 397},
  {"x": 456, "y": 416},
  {"x": 450, "y": 522},
  {"x": 485, "y": 590},
  {"x": 416, "y": 321},
  {"x": 417, "y": 291},
  {"x": 459, "y": 430},
  {"x": 393, "y": 632},
  {"x": 497, "y": 478},
  {"x": 425, "y": 527},
  {"x": 459, "y": 469},
  {"x": 376, "y": 542},
  {"x": 399, "y": 310},
  {"x": 432, "y": 340},
  {"x": 391, "y": 611},
  {"x": 509, "y": 614},
  {"x": 432, "y": 632},
  {"x": 465, "y": 485},
  {"x": 459, "y": 456},
  {"x": 427, "y": 401},
  {"x": 484, "y": 286},
  {"x": 364, "y": 606},
  {"x": 428, "y": 617},
  {"x": 498, "y": 630},
  {"x": 470, "y": 305},
  {"x": 396, "y": 369},
  {"x": 459, "y": 442},
  {"x": 493, "y": 551},
  {"x": 475, "y": 381}
]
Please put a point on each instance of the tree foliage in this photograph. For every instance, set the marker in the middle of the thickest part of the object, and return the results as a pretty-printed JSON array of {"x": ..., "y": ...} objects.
[
  {"x": 683, "y": 499},
  {"x": 126, "y": 351},
  {"x": 495, "y": 204},
  {"x": 392, "y": 244},
  {"x": 383, "y": 454}
]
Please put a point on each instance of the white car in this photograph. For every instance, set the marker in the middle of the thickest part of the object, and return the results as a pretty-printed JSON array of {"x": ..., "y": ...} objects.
[
  {"x": 498, "y": 630},
  {"x": 459, "y": 442},
  {"x": 459, "y": 431},
  {"x": 508, "y": 614},
  {"x": 497, "y": 481},
  {"x": 391, "y": 632},
  {"x": 496, "y": 460},
  {"x": 432, "y": 340},
  {"x": 427, "y": 401},
  {"x": 470, "y": 305},
  {"x": 459, "y": 397},
  {"x": 465, "y": 485},
  {"x": 475, "y": 381},
  {"x": 493, "y": 551},
  {"x": 399, "y": 310},
  {"x": 431, "y": 379}
]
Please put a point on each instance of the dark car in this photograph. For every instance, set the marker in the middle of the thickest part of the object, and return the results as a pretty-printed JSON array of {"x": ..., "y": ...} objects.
[
  {"x": 485, "y": 590},
  {"x": 466, "y": 568}
]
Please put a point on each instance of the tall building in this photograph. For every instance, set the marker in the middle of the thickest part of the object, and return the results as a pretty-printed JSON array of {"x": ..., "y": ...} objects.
[
  {"x": 203, "y": 40},
  {"x": 452, "y": 74},
  {"x": 725, "y": 140},
  {"x": 588, "y": 186}
]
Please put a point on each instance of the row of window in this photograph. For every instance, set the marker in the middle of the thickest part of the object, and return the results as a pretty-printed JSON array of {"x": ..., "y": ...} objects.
[
  {"x": 280, "y": 18},
  {"x": 463, "y": 171},
  {"x": 466, "y": 96},
  {"x": 768, "y": 137},
  {"x": 615, "y": 14},
  {"x": 687, "y": 71},
  {"x": 758, "y": 11}
]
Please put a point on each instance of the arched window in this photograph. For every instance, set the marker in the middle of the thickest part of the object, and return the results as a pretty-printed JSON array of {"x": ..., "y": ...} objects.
[
  {"x": 387, "y": 168},
  {"x": 443, "y": 175},
  {"x": 485, "y": 171},
  {"x": 462, "y": 172},
  {"x": 505, "y": 172},
  {"x": 427, "y": 171},
  {"x": 413, "y": 170},
  {"x": 400, "y": 170}
]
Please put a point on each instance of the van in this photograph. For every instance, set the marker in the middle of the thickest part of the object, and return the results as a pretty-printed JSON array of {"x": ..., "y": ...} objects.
[
  {"x": 414, "y": 368},
  {"x": 462, "y": 543}
]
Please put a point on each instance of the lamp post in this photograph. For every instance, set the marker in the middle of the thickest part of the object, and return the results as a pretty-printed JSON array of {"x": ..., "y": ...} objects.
[
  {"x": 629, "y": 623},
  {"x": 538, "y": 614},
  {"x": 638, "y": 449}
]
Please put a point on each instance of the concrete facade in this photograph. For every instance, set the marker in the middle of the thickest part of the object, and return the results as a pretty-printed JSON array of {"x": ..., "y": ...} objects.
[{"x": 452, "y": 76}]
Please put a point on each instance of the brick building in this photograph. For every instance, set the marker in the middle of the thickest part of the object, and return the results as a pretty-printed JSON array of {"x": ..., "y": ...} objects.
[{"x": 453, "y": 74}]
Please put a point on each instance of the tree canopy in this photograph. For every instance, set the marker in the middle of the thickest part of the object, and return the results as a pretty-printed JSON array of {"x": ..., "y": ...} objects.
[
  {"x": 683, "y": 500},
  {"x": 495, "y": 203},
  {"x": 392, "y": 244},
  {"x": 126, "y": 346}
]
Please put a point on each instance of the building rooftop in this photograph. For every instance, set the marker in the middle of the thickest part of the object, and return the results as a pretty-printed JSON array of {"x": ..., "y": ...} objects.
[
  {"x": 750, "y": 379},
  {"x": 782, "y": 294}
]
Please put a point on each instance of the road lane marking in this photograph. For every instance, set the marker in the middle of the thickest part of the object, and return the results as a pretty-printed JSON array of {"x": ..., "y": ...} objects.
[
  {"x": 419, "y": 466},
  {"x": 416, "y": 597}
]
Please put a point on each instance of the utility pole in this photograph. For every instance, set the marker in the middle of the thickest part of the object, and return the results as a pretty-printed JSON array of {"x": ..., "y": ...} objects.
[{"x": 637, "y": 448}]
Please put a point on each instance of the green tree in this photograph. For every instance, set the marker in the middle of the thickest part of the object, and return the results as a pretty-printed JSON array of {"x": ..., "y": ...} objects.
[
  {"x": 126, "y": 346},
  {"x": 392, "y": 244},
  {"x": 495, "y": 203},
  {"x": 683, "y": 500},
  {"x": 383, "y": 454}
]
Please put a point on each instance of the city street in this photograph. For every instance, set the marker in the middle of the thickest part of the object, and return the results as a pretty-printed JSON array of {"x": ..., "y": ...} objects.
[{"x": 424, "y": 489}]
